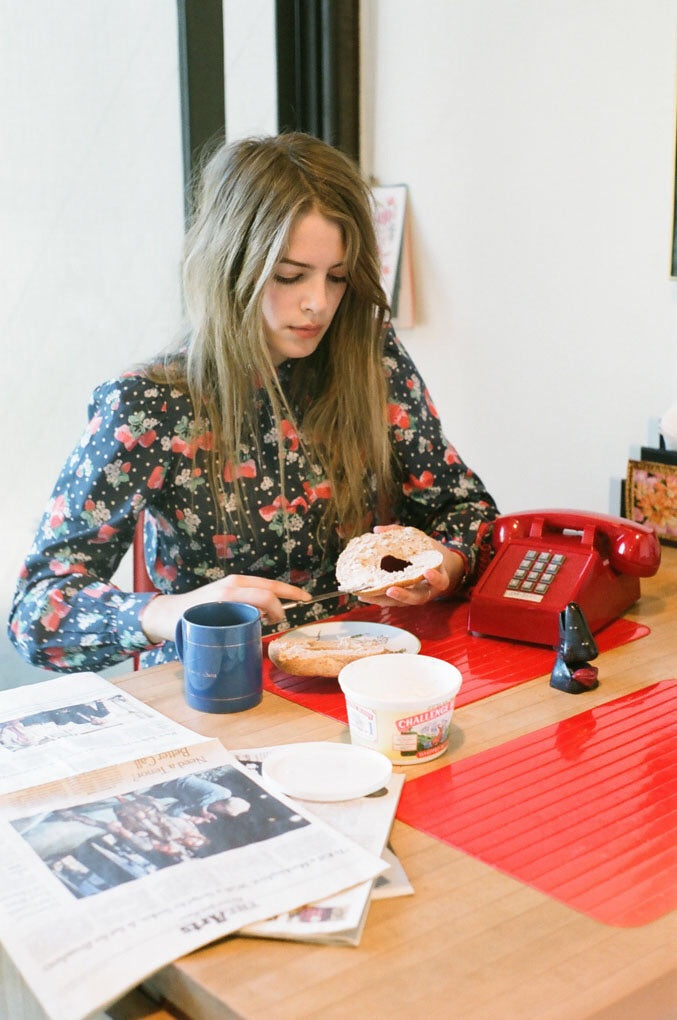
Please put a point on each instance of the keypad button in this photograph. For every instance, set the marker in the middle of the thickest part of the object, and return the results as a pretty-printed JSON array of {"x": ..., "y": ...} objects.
[{"x": 536, "y": 571}]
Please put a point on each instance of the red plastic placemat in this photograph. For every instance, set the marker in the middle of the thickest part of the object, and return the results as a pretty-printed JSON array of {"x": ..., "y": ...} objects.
[
  {"x": 584, "y": 810},
  {"x": 488, "y": 665}
]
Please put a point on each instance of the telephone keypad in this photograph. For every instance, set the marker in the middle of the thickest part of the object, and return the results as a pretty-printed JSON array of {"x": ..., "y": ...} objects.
[{"x": 534, "y": 574}]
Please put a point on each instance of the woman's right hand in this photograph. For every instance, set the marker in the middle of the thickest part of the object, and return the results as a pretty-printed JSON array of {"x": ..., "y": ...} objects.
[{"x": 161, "y": 615}]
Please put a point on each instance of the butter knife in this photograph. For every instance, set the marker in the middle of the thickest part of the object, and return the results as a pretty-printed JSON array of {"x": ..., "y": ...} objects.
[{"x": 318, "y": 598}]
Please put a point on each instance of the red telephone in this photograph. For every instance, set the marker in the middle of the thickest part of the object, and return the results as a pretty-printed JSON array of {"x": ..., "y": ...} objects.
[{"x": 548, "y": 558}]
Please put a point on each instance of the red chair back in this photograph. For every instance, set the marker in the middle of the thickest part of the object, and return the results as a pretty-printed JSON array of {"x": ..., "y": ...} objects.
[{"x": 140, "y": 579}]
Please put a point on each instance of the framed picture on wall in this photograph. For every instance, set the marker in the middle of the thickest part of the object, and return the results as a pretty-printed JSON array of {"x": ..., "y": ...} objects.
[{"x": 651, "y": 497}]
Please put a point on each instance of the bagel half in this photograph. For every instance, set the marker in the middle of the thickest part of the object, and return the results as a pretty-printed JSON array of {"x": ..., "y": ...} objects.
[
  {"x": 317, "y": 656},
  {"x": 373, "y": 562}
]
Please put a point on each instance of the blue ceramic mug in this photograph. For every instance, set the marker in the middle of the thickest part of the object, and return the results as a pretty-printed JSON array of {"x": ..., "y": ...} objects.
[{"x": 219, "y": 644}]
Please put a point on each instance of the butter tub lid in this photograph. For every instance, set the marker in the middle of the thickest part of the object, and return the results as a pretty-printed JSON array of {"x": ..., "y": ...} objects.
[{"x": 326, "y": 771}]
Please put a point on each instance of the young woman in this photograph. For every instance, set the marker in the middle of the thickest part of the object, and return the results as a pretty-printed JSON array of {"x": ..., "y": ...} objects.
[{"x": 288, "y": 420}]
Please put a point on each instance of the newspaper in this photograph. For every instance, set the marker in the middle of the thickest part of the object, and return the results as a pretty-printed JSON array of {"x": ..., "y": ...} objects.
[
  {"x": 69, "y": 725},
  {"x": 170, "y": 843},
  {"x": 393, "y": 882},
  {"x": 337, "y": 919}
]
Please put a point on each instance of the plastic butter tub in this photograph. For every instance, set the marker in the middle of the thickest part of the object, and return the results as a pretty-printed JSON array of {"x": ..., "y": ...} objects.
[{"x": 401, "y": 705}]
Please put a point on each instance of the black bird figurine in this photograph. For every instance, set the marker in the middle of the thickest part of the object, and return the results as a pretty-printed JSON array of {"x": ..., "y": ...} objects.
[{"x": 572, "y": 672}]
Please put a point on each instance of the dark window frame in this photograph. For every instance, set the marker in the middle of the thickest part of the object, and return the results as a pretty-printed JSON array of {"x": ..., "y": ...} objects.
[
  {"x": 201, "y": 83},
  {"x": 318, "y": 70}
]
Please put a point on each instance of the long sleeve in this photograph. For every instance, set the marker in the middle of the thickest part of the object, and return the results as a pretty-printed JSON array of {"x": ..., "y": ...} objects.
[
  {"x": 66, "y": 614},
  {"x": 438, "y": 492}
]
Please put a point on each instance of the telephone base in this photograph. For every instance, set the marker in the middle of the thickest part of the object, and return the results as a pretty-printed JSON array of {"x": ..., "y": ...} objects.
[
  {"x": 546, "y": 559},
  {"x": 491, "y": 615}
]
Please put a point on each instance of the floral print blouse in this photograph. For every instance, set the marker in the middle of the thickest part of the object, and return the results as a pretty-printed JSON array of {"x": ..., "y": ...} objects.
[{"x": 142, "y": 451}]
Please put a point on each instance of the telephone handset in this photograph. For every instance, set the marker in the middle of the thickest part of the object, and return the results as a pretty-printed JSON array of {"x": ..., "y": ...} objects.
[{"x": 547, "y": 558}]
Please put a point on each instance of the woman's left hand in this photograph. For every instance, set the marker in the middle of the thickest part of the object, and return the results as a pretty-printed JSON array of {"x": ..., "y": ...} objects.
[{"x": 443, "y": 580}]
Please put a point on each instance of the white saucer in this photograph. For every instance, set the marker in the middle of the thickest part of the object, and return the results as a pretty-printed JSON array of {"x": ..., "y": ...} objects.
[{"x": 324, "y": 771}]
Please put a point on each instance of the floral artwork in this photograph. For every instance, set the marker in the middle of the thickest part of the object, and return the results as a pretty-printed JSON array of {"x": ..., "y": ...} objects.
[
  {"x": 391, "y": 221},
  {"x": 389, "y": 214},
  {"x": 651, "y": 497}
]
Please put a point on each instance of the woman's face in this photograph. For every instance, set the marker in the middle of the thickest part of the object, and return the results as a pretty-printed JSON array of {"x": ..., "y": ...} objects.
[{"x": 301, "y": 298}]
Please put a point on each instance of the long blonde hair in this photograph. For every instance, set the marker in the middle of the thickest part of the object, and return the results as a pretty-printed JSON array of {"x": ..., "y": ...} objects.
[{"x": 250, "y": 195}]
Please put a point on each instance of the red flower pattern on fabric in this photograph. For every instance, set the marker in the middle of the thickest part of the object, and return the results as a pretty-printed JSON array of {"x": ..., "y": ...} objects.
[{"x": 222, "y": 544}]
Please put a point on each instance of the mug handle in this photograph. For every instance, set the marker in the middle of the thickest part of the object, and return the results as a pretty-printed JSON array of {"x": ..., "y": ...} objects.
[{"x": 178, "y": 639}]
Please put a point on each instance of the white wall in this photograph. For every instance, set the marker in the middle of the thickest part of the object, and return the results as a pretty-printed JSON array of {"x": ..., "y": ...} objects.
[
  {"x": 537, "y": 138},
  {"x": 91, "y": 220}
]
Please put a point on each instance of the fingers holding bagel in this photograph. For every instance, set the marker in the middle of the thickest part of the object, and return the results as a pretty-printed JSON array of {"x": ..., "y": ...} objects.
[
  {"x": 397, "y": 564},
  {"x": 433, "y": 585}
]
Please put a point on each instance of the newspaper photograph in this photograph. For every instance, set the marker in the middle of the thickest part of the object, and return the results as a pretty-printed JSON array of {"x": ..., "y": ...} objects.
[{"x": 116, "y": 872}]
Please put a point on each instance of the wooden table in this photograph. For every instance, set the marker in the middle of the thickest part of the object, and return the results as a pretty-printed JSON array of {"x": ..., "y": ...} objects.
[{"x": 472, "y": 943}]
